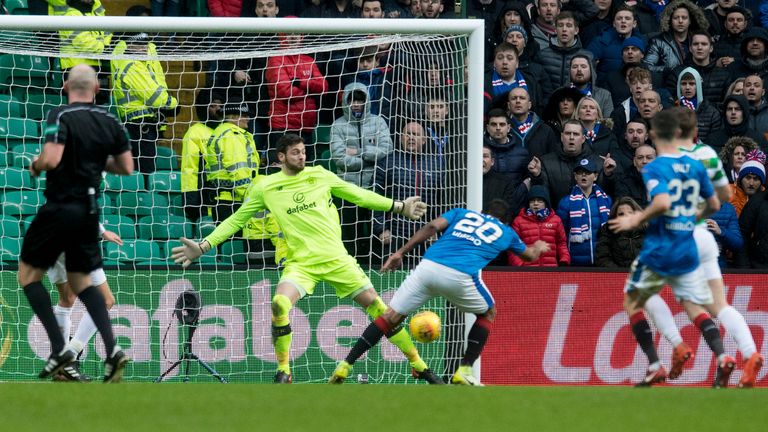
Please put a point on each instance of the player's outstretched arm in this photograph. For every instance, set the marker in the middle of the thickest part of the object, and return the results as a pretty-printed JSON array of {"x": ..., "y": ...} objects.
[
  {"x": 660, "y": 204},
  {"x": 412, "y": 207},
  {"x": 427, "y": 231},
  {"x": 532, "y": 253}
]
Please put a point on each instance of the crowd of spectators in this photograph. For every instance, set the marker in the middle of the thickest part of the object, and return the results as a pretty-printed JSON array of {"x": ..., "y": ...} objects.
[{"x": 570, "y": 88}]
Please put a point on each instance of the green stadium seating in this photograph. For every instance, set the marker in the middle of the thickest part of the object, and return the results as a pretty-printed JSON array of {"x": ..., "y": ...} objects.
[
  {"x": 15, "y": 131},
  {"x": 177, "y": 204},
  {"x": 24, "y": 153},
  {"x": 234, "y": 250},
  {"x": 4, "y": 156},
  {"x": 105, "y": 203},
  {"x": 164, "y": 181},
  {"x": 140, "y": 204},
  {"x": 24, "y": 72},
  {"x": 133, "y": 251},
  {"x": 10, "y": 227},
  {"x": 10, "y": 106},
  {"x": 205, "y": 226},
  {"x": 15, "y": 178},
  {"x": 38, "y": 105},
  {"x": 122, "y": 225},
  {"x": 10, "y": 248},
  {"x": 119, "y": 183},
  {"x": 26, "y": 221},
  {"x": 167, "y": 159},
  {"x": 17, "y": 7},
  {"x": 197, "y": 8},
  {"x": 327, "y": 162},
  {"x": 17, "y": 203},
  {"x": 165, "y": 228}
]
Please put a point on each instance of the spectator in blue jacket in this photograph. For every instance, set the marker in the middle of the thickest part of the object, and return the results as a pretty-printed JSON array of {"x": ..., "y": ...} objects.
[
  {"x": 583, "y": 212},
  {"x": 724, "y": 225},
  {"x": 608, "y": 47}
]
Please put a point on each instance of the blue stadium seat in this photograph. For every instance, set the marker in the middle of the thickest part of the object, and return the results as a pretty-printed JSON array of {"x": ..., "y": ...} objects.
[
  {"x": 23, "y": 203},
  {"x": 141, "y": 204},
  {"x": 15, "y": 178},
  {"x": 122, "y": 225},
  {"x": 10, "y": 248},
  {"x": 165, "y": 228}
]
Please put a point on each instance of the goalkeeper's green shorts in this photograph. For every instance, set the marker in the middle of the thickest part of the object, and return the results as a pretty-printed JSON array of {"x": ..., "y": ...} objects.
[{"x": 344, "y": 274}]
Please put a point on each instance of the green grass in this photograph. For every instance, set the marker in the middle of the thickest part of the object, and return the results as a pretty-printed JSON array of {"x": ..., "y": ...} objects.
[{"x": 368, "y": 408}]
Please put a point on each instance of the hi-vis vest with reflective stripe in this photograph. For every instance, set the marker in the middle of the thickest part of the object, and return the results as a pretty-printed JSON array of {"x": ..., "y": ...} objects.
[
  {"x": 82, "y": 42},
  {"x": 231, "y": 161},
  {"x": 139, "y": 87},
  {"x": 193, "y": 148},
  {"x": 59, "y": 7}
]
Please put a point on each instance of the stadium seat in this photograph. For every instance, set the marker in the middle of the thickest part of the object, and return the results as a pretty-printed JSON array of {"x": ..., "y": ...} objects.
[
  {"x": 322, "y": 138},
  {"x": 122, "y": 225},
  {"x": 105, "y": 203},
  {"x": 38, "y": 105},
  {"x": 164, "y": 181},
  {"x": 234, "y": 250},
  {"x": 327, "y": 162},
  {"x": 10, "y": 249},
  {"x": 10, "y": 106},
  {"x": 15, "y": 131},
  {"x": 17, "y": 203},
  {"x": 4, "y": 156},
  {"x": 17, "y": 7},
  {"x": 205, "y": 226},
  {"x": 15, "y": 178},
  {"x": 24, "y": 153},
  {"x": 119, "y": 183},
  {"x": 26, "y": 222},
  {"x": 141, "y": 204},
  {"x": 10, "y": 227},
  {"x": 167, "y": 159},
  {"x": 133, "y": 251},
  {"x": 25, "y": 72},
  {"x": 177, "y": 204},
  {"x": 165, "y": 228}
]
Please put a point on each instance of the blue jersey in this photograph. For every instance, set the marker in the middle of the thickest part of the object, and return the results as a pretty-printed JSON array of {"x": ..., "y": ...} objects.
[
  {"x": 669, "y": 248},
  {"x": 472, "y": 240}
]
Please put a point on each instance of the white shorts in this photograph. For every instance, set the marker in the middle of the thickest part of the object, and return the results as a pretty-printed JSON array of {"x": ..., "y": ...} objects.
[
  {"x": 708, "y": 253},
  {"x": 430, "y": 279},
  {"x": 688, "y": 286},
  {"x": 58, "y": 273}
]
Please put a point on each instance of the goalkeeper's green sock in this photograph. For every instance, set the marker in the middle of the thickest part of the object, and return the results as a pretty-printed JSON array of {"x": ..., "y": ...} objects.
[
  {"x": 402, "y": 340},
  {"x": 281, "y": 331}
]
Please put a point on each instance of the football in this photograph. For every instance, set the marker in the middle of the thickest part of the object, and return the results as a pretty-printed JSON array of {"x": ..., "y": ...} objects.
[{"x": 425, "y": 326}]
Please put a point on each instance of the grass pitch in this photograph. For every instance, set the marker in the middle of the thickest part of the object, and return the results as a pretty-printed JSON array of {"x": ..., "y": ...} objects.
[{"x": 369, "y": 408}]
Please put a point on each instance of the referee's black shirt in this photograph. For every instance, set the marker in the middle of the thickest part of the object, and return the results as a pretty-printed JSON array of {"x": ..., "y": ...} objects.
[{"x": 89, "y": 134}]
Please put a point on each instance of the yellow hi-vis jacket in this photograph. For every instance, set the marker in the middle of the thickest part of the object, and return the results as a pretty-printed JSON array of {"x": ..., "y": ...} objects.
[
  {"x": 193, "y": 147},
  {"x": 263, "y": 225},
  {"x": 82, "y": 42},
  {"x": 59, "y": 7},
  {"x": 138, "y": 86},
  {"x": 231, "y": 161}
]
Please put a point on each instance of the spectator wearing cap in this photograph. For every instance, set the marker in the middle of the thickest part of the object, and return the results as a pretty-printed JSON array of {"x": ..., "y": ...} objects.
[
  {"x": 538, "y": 221},
  {"x": 714, "y": 79},
  {"x": 556, "y": 56},
  {"x": 584, "y": 211},
  {"x": 750, "y": 181},
  {"x": 518, "y": 37},
  {"x": 737, "y": 21},
  {"x": 231, "y": 161},
  {"x": 753, "y": 222},
  {"x": 678, "y": 20},
  {"x": 607, "y": 48},
  {"x": 555, "y": 169}
]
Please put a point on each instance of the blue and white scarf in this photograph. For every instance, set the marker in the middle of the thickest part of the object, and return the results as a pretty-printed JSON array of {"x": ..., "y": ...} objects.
[
  {"x": 581, "y": 230},
  {"x": 523, "y": 127},
  {"x": 539, "y": 214},
  {"x": 586, "y": 91},
  {"x": 691, "y": 104},
  {"x": 501, "y": 87},
  {"x": 591, "y": 134}
]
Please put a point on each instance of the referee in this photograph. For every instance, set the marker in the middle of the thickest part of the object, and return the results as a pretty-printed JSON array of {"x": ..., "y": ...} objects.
[{"x": 81, "y": 141}]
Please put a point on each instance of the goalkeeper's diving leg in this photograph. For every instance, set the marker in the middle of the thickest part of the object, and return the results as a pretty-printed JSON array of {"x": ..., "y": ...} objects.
[{"x": 386, "y": 322}]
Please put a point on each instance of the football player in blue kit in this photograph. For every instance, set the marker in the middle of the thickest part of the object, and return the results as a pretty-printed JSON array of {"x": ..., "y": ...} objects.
[
  {"x": 669, "y": 254},
  {"x": 450, "y": 268}
]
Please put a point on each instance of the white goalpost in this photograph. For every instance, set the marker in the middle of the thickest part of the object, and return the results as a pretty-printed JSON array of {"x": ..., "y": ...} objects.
[{"x": 422, "y": 78}]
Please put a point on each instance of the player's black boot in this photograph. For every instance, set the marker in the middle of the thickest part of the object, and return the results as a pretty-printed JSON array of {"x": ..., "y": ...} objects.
[
  {"x": 72, "y": 373},
  {"x": 283, "y": 378},
  {"x": 57, "y": 362},
  {"x": 115, "y": 365},
  {"x": 428, "y": 376}
]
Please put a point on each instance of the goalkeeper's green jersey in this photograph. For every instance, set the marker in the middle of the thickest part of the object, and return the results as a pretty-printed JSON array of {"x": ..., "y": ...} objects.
[{"x": 303, "y": 208}]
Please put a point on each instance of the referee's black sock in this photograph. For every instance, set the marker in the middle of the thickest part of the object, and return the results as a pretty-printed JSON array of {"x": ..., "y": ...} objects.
[
  {"x": 476, "y": 339},
  {"x": 370, "y": 337},
  {"x": 711, "y": 333},
  {"x": 97, "y": 309},
  {"x": 40, "y": 301}
]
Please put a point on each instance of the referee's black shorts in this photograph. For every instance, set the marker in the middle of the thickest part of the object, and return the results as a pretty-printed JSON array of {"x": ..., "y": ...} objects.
[{"x": 63, "y": 227}]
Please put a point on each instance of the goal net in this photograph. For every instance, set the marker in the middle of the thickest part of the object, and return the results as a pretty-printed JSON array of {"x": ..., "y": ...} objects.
[{"x": 384, "y": 104}]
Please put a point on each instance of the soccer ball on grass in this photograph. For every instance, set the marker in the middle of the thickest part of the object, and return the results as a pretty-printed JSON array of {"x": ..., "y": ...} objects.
[{"x": 425, "y": 326}]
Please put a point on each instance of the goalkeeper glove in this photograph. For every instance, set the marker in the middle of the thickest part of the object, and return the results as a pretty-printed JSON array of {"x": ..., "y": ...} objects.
[
  {"x": 413, "y": 207},
  {"x": 189, "y": 251}
]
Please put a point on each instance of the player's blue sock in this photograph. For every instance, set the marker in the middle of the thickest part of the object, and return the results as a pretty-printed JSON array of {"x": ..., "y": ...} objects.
[
  {"x": 40, "y": 301},
  {"x": 711, "y": 333},
  {"x": 97, "y": 309},
  {"x": 476, "y": 339},
  {"x": 642, "y": 331}
]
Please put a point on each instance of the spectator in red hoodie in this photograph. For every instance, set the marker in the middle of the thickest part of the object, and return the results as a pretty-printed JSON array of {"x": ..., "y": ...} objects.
[
  {"x": 540, "y": 222},
  {"x": 225, "y": 8},
  {"x": 294, "y": 83}
]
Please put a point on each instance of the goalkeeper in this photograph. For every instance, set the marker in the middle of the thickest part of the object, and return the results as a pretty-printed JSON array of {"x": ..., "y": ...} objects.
[{"x": 300, "y": 200}]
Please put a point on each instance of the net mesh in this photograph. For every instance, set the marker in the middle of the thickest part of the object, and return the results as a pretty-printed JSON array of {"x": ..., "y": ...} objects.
[{"x": 410, "y": 140}]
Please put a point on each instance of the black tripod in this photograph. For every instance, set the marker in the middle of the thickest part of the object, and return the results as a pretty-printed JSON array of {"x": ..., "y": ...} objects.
[{"x": 188, "y": 312}]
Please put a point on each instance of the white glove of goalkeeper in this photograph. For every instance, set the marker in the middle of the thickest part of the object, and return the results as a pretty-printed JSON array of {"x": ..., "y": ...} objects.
[
  {"x": 189, "y": 251},
  {"x": 413, "y": 207}
]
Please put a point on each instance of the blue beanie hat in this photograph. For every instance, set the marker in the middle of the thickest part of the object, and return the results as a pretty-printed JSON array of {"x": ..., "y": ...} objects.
[
  {"x": 635, "y": 42},
  {"x": 517, "y": 28}
]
